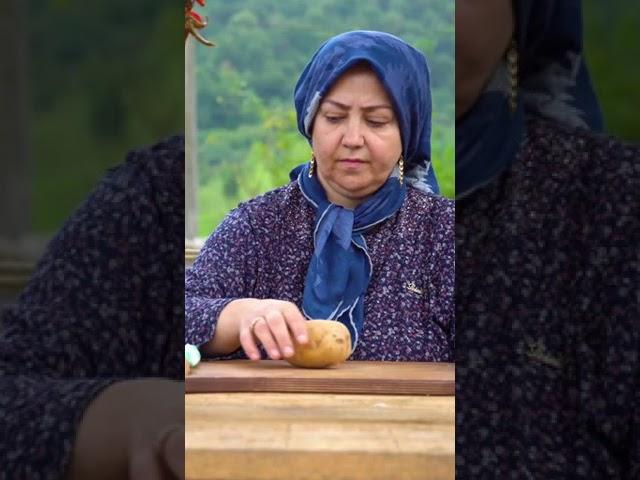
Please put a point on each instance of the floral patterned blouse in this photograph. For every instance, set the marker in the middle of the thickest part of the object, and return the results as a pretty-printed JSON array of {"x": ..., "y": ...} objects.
[
  {"x": 104, "y": 304},
  {"x": 263, "y": 249},
  {"x": 548, "y": 313}
]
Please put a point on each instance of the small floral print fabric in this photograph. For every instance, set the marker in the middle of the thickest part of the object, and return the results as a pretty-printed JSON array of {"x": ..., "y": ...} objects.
[
  {"x": 262, "y": 250},
  {"x": 104, "y": 304},
  {"x": 548, "y": 312}
]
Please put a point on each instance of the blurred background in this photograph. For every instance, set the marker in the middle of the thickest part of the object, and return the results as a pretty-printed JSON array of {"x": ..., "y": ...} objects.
[
  {"x": 243, "y": 134},
  {"x": 247, "y": 139},
  {"x": 81, "y": 84},
  {"x": 612, "y": 49}
]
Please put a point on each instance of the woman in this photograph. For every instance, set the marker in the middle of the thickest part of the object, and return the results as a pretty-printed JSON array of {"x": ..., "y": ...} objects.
[
  {"x": 358, "y": 236},
  {"x": 547, "y": 235}
]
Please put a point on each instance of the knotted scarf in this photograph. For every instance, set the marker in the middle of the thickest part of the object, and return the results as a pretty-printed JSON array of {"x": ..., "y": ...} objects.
[{"x": 340, "y": 269}]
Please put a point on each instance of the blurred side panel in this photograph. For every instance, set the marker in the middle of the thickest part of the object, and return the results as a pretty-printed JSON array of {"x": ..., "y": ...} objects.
[{"x": 91, "y": 237}]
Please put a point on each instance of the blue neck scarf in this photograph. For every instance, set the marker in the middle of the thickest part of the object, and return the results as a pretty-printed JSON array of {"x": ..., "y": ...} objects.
[
  {"x": 340, "y": 269},
  {"x": 553, "y": 83}
]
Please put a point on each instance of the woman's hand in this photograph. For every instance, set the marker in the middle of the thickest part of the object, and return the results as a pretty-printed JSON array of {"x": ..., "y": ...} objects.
[
  {"x": 134, "y": 429},
  {"x": 251, "y": 322}
]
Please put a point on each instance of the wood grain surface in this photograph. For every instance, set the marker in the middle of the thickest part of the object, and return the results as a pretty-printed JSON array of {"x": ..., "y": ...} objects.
[
  {"x": 301, "y": 436},
  {"x": 397, "y": 378}
]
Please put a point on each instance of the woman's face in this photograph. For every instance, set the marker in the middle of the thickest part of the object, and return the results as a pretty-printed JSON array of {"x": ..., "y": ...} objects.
[
  {"x": 484, "y": 29},
  {"x": 355, "y": 138}
]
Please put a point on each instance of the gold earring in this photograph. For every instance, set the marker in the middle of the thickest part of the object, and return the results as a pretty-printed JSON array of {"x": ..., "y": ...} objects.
[
  {"x": 312, "y": 165},
  {"x": 512, "y": 67},
  {"x": 401, "y": 169}
]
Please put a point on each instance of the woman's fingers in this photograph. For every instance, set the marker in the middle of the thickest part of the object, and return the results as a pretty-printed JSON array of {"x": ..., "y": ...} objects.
[
  {"x": 172, "y": 451},
  {"x": 296, "y": 322},
  {"x": 247, "y": 339},
  {"x": 145, "y": 465},
  {"x": 274, "y": 326},
  {"x": 262, "y": 331},
  {"x": 159, "y": 458},
  {"x": 280, "y": 332}
]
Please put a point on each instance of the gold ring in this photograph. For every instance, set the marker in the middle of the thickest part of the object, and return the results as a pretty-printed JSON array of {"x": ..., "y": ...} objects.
[{"x": 253, "y": 323}]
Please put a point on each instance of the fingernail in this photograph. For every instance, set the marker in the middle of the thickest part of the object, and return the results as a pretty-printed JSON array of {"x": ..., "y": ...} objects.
[
  {"x": 288, "y": 351},
  {"x": 275, "y": 353},
  {"x": 302, "y": 338},
  {"x": 254, "y": 356}
]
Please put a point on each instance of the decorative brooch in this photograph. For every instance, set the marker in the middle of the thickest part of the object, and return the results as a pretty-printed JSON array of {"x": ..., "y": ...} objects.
[
  {"x": 412, "y": 287},
  {"x": 193, "y": 22},
  {"x": 537, "y": 350}
]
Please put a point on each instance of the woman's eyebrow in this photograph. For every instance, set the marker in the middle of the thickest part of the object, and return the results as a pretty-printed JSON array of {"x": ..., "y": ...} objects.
[{"x": 342, "y": 106}]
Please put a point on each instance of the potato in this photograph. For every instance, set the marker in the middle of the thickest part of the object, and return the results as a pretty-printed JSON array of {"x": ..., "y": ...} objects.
[{"x": 329, "y": 344}]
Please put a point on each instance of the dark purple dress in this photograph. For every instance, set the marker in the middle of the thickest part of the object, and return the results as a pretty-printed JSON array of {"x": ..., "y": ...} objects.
[
  {"x": 105, "y": 304},
  {"x": 548, "y": 312},
  {"x": 263, "y": 248}
]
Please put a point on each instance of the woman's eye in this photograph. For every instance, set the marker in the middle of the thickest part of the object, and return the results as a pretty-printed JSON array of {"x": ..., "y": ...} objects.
[
  {"x": 377, "y": 123},
  {"x": 333, "y": 119}
]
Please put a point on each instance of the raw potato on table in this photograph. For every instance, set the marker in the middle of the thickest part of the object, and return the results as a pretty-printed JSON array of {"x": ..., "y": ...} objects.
[{"x": 329, "y": 344}]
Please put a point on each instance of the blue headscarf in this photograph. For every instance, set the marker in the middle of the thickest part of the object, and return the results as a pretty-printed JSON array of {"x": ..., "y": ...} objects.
[
  {"x": 340, "y": 269},
  {"x": 553, "y": 84},
  {"x": 405, "y": 76}
]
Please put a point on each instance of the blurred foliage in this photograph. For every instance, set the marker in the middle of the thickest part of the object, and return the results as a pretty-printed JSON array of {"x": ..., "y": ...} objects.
[
  {"x": 96, "y": 76},
  {"x": 612, "y": 47},
  {"x": 248, "y": 139},
  {"x": 108, "y": 78}
]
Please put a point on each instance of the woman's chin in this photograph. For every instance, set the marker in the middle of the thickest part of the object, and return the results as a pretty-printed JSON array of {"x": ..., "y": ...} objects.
[{"x": 358, "y": 191}]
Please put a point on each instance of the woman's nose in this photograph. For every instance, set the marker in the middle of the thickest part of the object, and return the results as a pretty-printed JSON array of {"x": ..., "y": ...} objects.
[{"x": 353, "y": 135}]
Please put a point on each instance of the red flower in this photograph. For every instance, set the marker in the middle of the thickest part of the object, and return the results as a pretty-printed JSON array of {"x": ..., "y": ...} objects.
[
  {"x": 194, "y": 22},
  {"x": 196, "y": 17}
]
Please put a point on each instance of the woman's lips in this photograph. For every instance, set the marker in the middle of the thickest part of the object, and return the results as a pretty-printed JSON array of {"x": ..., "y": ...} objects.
[{"x": 352, "y": 161}]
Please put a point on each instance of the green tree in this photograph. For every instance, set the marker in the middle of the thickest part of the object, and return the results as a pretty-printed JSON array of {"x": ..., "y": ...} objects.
[{"x": 248, "y": 139}]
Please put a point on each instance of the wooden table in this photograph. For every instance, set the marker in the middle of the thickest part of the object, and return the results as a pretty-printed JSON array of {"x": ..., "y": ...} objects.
[{"x": 312, "y": 436}]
